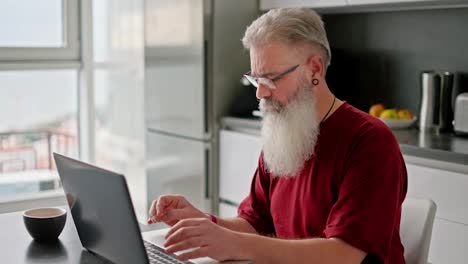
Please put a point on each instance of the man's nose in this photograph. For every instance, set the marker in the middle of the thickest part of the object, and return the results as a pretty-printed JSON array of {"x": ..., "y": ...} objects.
[{"x": 263, "y": 91}]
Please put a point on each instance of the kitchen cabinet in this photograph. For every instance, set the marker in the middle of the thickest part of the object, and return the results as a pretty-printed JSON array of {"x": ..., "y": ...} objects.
[
  {"x": 269, "y": 4},
  {"x": 239, "y": 153},
  {"x": 365, "y": 2},
  {"x": 336, "y": 6},
  {"x": 449, "y": 242},
  {"x": 449, "y": 191}
]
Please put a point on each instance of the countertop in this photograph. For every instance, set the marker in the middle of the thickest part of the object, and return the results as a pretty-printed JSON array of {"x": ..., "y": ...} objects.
[{"x": 433, "y": 149}]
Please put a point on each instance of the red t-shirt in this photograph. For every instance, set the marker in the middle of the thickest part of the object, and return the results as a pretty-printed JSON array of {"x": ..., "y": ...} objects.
[{"x": 352, "y": 188}]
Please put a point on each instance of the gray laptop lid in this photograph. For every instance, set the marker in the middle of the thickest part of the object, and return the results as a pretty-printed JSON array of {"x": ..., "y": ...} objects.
[{"x": 102, "y": 211}]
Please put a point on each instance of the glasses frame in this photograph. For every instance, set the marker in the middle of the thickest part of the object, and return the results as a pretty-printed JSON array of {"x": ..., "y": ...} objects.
[{"x": 269, "y": 82}]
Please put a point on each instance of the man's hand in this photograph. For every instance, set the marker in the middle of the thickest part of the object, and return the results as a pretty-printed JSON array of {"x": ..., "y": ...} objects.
[
  {"x": 172, "y": 208},
  {"x": 206, "y": 238},
  {"x": 203, "y": 238}
]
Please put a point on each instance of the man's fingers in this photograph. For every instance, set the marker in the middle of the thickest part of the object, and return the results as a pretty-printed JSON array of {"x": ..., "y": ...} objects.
[
  {"x": 160, "y": 206},
  {"x": 196, "y": 253},
  {"x": 166, "y": 202},
  {"x": 171, "y": 223},
  {"x": 184, "y": 223},
  {"x": 174, "y": 215},
  {"x": 170, "y": 216},
  {"x": 152, "y": 210},
  {"x": 193, "y": 242},
  {"x": 182, "y": 234}
]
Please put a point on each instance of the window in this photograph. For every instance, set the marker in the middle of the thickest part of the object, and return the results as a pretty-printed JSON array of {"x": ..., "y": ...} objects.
[
  {"x": 39, "y": 79},
  {"x": 39, "y": 30},
  {"x": 39, "y": 116},
  {"x": 38, "y": 25}
]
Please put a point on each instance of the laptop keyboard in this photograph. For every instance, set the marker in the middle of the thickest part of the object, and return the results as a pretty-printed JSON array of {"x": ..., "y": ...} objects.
[{"x": 156, "y": 255}]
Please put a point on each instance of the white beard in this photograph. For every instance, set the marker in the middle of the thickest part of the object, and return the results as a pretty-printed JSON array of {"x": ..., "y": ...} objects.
[{"x": 289, "y": 135}]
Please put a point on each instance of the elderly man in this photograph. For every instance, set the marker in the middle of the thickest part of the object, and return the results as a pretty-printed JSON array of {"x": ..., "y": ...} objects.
[{"x": 330, "y": 180}]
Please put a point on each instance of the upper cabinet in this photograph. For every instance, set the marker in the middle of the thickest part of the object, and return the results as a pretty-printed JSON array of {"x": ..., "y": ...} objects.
[
  {"x": 369, "y": 2},
  {"x": 269, "y": 4},
  {"x": 327, "y": 6}
]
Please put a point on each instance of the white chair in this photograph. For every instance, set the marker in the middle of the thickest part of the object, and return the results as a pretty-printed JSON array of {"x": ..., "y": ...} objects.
[{"x": 417, "y": 219}]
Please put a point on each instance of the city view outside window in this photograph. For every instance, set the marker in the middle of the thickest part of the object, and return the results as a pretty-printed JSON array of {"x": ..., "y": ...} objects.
[{"x": 39, "y": 117}]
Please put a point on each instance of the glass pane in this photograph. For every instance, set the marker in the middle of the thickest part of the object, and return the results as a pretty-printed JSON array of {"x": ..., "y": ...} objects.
[
  {"x": 120, "y": 128},
  {"x": 117, "y": 30},
  {"x": 31, "y": 23},
  {"x": 38, "y": 110},
  {"x": 172, "y": 22},
  {"x": 101, "y": 30}
]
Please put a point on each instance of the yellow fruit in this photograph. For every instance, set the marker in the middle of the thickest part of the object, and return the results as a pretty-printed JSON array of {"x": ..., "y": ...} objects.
[
  {"x": 376, "y": 110},
  {"x": 405, "y": 114},
  {"x": 389, "y": 114}
]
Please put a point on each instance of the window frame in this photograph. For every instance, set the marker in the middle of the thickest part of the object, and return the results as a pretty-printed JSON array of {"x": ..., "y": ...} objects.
[
  {"x": 55, "y": 58},
  {"x": 71, "y": 50}
]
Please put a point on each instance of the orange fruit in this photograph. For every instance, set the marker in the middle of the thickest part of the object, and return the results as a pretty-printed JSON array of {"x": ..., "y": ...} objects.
[
  {"x": 404, "y": 114},
  {"x": 376, "y": 110}
]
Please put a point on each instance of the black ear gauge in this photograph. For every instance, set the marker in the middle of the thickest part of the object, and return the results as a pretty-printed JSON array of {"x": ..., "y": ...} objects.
[{"x": 315, "y": 81}]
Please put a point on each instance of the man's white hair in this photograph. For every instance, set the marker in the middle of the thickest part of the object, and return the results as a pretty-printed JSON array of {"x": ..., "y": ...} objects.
[{"x": 289, "y": 26}]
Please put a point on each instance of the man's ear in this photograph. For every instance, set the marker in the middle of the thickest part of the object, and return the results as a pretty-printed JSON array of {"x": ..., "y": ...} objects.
[{"x": 315, "y": 64}]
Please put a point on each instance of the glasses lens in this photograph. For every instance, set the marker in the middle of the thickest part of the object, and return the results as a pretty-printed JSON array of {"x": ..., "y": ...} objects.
[
  {"x": 252, "y": 80},
  {"x": 267, "y": 82}
]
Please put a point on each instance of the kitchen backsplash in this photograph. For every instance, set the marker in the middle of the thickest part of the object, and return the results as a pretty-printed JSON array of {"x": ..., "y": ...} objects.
[{"x": 380, "y": 56}]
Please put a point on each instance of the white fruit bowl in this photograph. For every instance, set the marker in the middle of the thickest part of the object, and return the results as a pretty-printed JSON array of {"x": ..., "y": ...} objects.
[{"x": 399, "y": 123}]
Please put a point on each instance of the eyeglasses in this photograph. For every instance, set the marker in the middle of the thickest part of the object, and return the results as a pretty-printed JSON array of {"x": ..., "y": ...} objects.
[{"x": 268, "y": 82}]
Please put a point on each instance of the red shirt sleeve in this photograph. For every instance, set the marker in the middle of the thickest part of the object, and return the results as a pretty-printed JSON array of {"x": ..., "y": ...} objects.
[
  {"x": 255, "y": 208},
  {"x": 372, "y": 189}
]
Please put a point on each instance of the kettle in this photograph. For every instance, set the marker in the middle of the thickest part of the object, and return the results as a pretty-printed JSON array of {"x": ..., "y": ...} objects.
[{"x": 436, "y": 111}]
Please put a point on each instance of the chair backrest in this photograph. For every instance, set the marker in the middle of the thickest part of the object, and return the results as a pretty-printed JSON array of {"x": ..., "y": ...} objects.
[{"x": 417, "y": 219}]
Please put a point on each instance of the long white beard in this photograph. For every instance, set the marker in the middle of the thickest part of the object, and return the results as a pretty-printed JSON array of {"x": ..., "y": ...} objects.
[{"x": 289, "y": 135}]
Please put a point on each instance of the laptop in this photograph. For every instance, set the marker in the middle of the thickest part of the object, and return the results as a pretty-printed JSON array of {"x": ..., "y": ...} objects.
[{"x": 104, "y": 217}]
